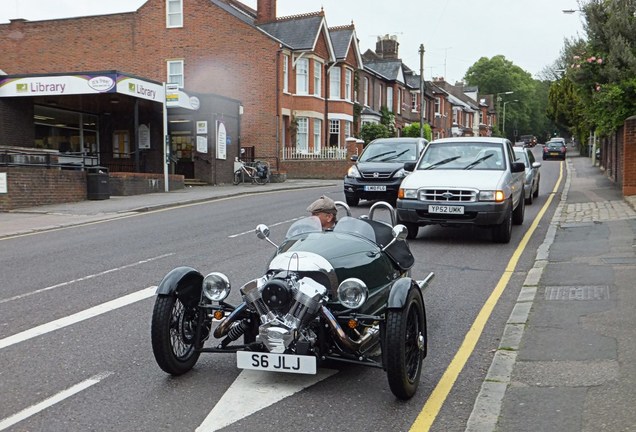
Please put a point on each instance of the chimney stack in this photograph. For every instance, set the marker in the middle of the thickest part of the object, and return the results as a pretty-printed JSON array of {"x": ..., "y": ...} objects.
[
  {"x": 265, "y": 11},
  {"x": 387, "y": 47}
]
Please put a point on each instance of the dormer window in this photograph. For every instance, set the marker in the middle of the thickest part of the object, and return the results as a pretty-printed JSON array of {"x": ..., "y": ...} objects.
[{"x": 174, "y": 13}]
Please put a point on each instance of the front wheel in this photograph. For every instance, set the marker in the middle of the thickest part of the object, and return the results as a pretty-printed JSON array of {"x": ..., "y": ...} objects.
[
  {"x": 352, "y": 200},
  {"x": 519, "y": 211},
  {"x": 503, "y": 232},
  {"x": 238, "y": 177},
  {"x": 405, "y": 346},
  {"x": 173, "y": 332}
]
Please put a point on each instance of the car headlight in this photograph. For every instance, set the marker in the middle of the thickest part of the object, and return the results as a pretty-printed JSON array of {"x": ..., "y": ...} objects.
[
  {"x": 492, "y": 195},
  {"x": 353, "y": 172},
  {"x": 407, "y": 193},
  {"x": 216, "y": 286},
  {"x": 352, "y": 293}
]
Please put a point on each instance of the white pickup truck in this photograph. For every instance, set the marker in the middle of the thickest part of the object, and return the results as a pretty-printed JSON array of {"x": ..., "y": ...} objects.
[{"x": 464, "y": 181}]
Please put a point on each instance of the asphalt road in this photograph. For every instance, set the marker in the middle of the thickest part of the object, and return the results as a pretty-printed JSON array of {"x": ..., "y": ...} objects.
[{"x": 75, "y": 309}]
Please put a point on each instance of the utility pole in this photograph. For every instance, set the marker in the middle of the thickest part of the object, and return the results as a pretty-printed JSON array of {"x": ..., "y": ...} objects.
[{"x": 421, "y": 51}]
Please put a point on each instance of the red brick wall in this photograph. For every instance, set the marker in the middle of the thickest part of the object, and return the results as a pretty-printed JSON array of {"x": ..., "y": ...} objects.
[
  {"x": 223, "y": 55},
  {"x": 30, "y": 187},
  {"x": 315, "y": 169},
  {"x": 629, "y": 157}
]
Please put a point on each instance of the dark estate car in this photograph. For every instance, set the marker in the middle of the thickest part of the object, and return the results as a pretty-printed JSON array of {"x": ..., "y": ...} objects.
[
  {"x": 554, "y": 149},
  {"x": 379, "y": 170}
]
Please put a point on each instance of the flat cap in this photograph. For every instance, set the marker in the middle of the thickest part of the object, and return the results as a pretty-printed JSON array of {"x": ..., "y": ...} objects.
[{"x": 324, "y": 204}]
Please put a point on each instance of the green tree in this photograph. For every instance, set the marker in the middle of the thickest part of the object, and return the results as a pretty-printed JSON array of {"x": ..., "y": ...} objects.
[
  {"x": 413, "y": 131},
  {"x": 371, "y": 131}
]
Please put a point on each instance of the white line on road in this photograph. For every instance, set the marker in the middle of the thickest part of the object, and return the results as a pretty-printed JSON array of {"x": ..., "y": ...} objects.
[
  {"x": 46, "y": 403},
  {"x": 254, "y": 390},
  {"x": 252, "y": 231},
  {"x": 105, "y": 272},
  {"x": 79, "y": 316}
]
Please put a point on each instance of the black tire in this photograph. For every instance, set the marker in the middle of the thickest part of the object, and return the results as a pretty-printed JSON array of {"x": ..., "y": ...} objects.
[
  {"x": 412, "y": 229},
  {"x": 519, "y": 212},
  {"x": 536, "y": 192},
  {"x": 503, "y": 232},
  {"x": 352, "y": 201},
  {"x": 172, "y": 332},
  {"x": 530, "y": 199},
  {"x": 238, "y": 177},
  {"x": 405, "y": 345},
  {"x": 260, "y": 180}
]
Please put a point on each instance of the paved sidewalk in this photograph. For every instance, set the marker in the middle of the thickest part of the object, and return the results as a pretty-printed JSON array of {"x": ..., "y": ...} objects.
[
  {"x": 33, "y": 219},
  {"x": 567, "y": 358}
]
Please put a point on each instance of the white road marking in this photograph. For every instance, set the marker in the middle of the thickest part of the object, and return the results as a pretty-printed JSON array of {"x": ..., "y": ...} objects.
[
  {"x": 79, "y": 316},
  {"x": 254, "y": 390},
  {"x": 105, "y": 272},
  {"x": 252, "y": 231},
  {"x": 46, "y": 403}
]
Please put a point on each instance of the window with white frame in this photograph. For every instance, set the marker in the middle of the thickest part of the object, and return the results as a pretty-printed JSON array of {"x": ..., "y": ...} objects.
[
  {"x": 438, "y": 106},
  {"x": 348, "y": 79},
  {"x": 414, "y": 106},
  {"x": 347, "y": 131},
  {"x": 302, "y": 145},
  {"x": 399, "y": 101},
  {"x": 317, "y": 135},
  {"x": 334, "y": 133},
  {"x": 317, "y": 78},
  {"x": 285, "y": 73},
  {"x": 481, "y": 117},
  {"x": 366, "y": 91},
  {"x": 334, "y": 83},
  {"x": 175, "y": 73},
  {"x": 174, "y": 13},
  {"x": 389, "y": 98},
  {"x": 380, "y": 97},
  {"x": 302, "y": 76}
]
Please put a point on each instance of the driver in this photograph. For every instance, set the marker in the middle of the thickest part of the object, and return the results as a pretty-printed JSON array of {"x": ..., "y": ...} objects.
[{"x": 325, "y": 209}]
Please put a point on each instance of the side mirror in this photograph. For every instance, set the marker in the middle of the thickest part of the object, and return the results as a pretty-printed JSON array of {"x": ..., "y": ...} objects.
[
  {"x": 409, "y": 166},
  {"x": 536, "y": 164},
  {"x": 518, "y": 167},
  {"x": 354, "y": 158},
  {"x": 262, "y": 231}
]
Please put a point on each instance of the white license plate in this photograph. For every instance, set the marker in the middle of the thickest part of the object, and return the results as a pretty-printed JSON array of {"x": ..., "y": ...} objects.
[
  {"x": 288, "y": 363},
  {"x": 445, "y": 209},
  {"x": 375, "y": 188}
]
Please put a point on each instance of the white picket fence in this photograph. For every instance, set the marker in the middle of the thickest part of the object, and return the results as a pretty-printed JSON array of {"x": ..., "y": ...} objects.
[{"x": 325, "y": 153}]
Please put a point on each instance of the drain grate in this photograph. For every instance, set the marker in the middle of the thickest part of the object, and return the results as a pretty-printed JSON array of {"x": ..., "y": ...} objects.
[{"x": 578, "y": 292}]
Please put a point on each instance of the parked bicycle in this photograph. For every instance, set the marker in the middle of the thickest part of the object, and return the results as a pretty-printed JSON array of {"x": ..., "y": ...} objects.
[{"x": 257, "y": 173}]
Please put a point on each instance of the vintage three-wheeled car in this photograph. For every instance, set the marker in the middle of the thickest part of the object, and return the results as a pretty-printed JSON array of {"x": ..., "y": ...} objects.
[{"x": 341, "y": 295}]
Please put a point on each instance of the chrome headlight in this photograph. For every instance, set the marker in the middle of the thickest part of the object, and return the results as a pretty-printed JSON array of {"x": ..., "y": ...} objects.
[
  {"x": 353, "y": 172},
  {"x": 492, "y": 195},
  {"x": 352, "y": 293},
  {"x": 216, "y": 286},
  {"x": 409, "y": 193}
]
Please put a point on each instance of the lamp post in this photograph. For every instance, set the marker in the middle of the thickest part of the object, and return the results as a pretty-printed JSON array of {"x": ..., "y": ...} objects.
[
  {"x": 503, "y": 129},
  {"x": 499, "y": 101},
  {"x": 421, "y": 51}
]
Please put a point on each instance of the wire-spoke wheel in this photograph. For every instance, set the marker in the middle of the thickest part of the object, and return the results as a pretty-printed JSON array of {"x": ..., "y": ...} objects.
[
  {"x": 405, "y": 346},
  {"x": 173, "y": 334},
  {"x": 238, "y": 177}
]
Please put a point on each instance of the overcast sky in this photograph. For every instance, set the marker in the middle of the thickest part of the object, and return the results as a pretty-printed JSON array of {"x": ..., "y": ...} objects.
[{"x": 455, "y": 33}]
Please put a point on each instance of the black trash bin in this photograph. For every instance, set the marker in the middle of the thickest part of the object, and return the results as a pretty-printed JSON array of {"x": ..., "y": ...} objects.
[{"x": 97, "y": 183}]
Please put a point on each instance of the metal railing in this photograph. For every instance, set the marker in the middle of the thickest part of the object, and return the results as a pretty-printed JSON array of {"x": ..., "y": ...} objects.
[
  {"x": 333, "y": 153},
  {"x": 25, "y": 158}
]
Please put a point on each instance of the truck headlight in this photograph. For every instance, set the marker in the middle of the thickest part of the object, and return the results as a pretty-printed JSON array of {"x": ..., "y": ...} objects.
[
  {"x": 353, "y": 172},
  {"x": 407, "y": 193},
  {"x": 492, "y": 195},
  {"x": 352, "y": 293},
  {"x": 216, "y": 286}
]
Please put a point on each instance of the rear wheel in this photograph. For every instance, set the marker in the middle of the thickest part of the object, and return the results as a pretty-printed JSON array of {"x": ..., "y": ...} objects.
[
  {"x": 519, "y": 212},
  {"x": 260, "y": 180},
  {"x": 173, "y": 332},
  {"x": 536, "y": 191},
  {"x": 530, "y": 199},
  {"x": 405, "y": 346}
]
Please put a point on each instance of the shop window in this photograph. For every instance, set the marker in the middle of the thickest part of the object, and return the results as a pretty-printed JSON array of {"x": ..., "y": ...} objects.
[
  {"x": 121, "y": 144},
  {"x": 174, "y": 13},
  {"x": 64, "y": 130}
]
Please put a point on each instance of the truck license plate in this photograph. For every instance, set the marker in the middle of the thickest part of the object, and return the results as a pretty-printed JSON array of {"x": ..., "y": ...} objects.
[
  {"x": 288, "y": 363},
  {"x": 445, "y": 209},
  {"x": 375, "y": 188}
]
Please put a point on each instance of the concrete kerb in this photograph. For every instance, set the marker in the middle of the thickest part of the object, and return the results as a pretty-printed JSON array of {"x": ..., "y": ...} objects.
[{"x": 485, "y": 413}]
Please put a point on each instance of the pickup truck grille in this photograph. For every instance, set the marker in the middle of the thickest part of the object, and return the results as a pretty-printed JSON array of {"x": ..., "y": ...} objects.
[{"x": 448, "y": 195}]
